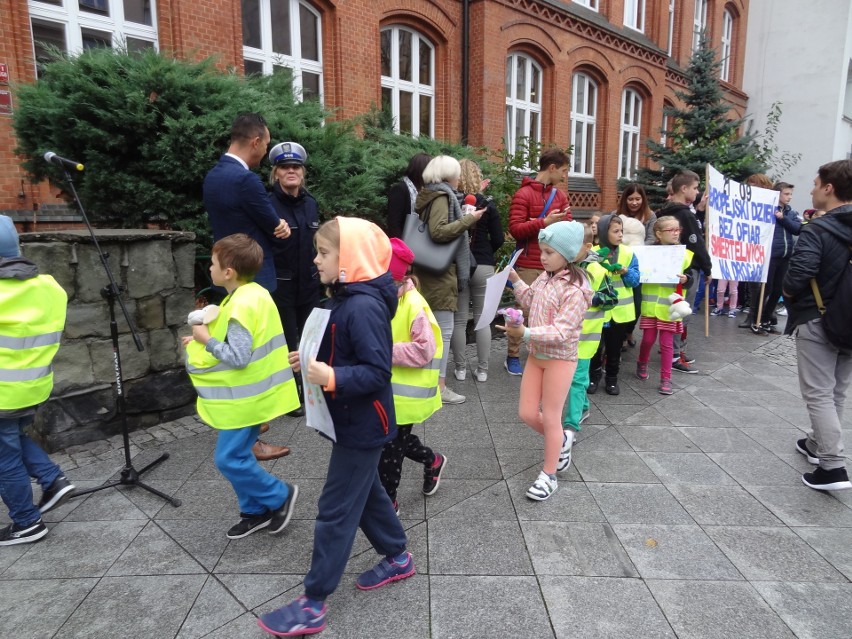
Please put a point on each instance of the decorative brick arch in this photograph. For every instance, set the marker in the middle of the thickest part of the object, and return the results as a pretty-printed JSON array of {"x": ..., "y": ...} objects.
[
  {"x": 531, "y": 39},
  {"x": 427, "y": 17},
  {"x": 593, "y": 58},
  {"x": 640, "y": 76}
]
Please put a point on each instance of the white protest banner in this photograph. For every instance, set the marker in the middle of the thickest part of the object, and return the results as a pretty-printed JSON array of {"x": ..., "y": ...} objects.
[
  {"x": 660, "y": 264},
  {"x": 316, "y": 410},
  {"x": 740, "y": 225},
  {"x": 494, "y": 287}
]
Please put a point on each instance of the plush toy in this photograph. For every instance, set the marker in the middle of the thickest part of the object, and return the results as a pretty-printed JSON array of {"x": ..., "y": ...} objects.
[
  {"x": 680, "y": 308},
  {"x": 514, "y": 316},
  {"x": 601, "y": 256},
  {"x": 203, "y": 315}
]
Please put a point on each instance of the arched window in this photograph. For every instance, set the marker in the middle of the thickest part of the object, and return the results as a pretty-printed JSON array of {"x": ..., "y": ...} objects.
[
  {"x": 634, "y": 14},
  {"x": 284, "y": 35},
  {"x": 699, "y": 23},
  {"x": 584, "y": 110},
  {"x": 727, "y": 41},
  {"x": 523, "y": 100},
  {"x": 408, "y": 80},
  {"x": 631, "y": 118}
]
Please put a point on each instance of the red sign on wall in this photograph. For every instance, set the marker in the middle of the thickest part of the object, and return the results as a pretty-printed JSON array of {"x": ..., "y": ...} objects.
[
  {"x": 5, "y": 102},
  {"x": 4, "y": 73}
]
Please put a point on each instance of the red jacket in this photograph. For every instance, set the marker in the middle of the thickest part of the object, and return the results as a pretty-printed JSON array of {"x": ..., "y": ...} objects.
[{"x": 524, "y": 221}]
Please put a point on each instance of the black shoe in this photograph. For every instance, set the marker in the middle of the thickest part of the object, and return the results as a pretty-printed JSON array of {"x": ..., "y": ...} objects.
[
  {"x": 592, "y": 388},
  {"x": 249, "y": 524},
  {"x": 432, "y": 474},
  {"x": 769, "y": 327},
  {"x": 822, "y": 479},
  {"x": 746, "y": 323},
  {"x": 14, "y": 534},
  {"x": 802, "y": 447},
  {"x": 611, "y": 386},
  {"x": 758, "y": 330},
  {"x": 59, "y": 492},
  {"x": 297, "y": 412},
  {"x": 282, "y": 516}
]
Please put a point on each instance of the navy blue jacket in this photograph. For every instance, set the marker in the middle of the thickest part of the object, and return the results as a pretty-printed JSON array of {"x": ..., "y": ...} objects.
[
  {"x": 236, "y": 202},
  {"x": 359, "y": 346},
  {"x": 785, "y": 228},
  {"x": 298, "y": 282}
]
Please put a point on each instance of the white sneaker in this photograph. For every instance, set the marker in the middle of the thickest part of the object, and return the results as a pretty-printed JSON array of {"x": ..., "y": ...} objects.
[
  {"x": 481, "y": 375},
  {"x": 781, "y": 311},
  {"x": 460, "y": 373},
  {"x": 450, "y": 397},
  {"x": 565, "y": 454},
  {"x": 542, "y": 488}
]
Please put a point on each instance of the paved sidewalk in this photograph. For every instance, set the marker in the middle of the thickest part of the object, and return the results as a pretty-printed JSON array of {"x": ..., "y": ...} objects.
[{"x": 681, "y": 516}]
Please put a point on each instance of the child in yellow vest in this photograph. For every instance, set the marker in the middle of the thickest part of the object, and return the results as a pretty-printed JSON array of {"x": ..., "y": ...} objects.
[
  {"x": 417, "y": 349},
  {"x": 655, "y": 309},
  {"x": 239, "y": 366}
]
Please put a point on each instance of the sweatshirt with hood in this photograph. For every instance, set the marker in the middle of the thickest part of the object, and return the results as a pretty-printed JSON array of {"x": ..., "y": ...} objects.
[
  {"x": 690, "y": 234},
  {"x": 357, "y": 343}
]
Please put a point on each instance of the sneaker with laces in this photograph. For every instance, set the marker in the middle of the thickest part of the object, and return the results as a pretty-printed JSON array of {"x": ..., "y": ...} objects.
[
  {"x": 802, "y": 447},
  {"x": 432, "y": 474},
  {"x": 642, "y": 370},
  {"x": 59, "y": 492},
  {"x": 450, "y": 397},
  {"x": 460, "y": 373},
  {"x": 565, "y": 454},
  {"x": 686, "y": 358},
  {"x": 481, "y": 375},
  {"x": 542, "y": 488},
  {"x": 732, "y": 312},
  {"x": 13, "y": 534},
  {"x": 387, "y": 570},
  {"x": 249, "y": 524},
  {"x": 666, "y": 386},
  {"x": 300, "y": 617},
  {"x": 282, "y": 516},
  {"x": 822, "y": 479},
  {"x": 716, "y": 312},
  {"x": 513, "y": 365},
  {"x": 683, "y": 366}
]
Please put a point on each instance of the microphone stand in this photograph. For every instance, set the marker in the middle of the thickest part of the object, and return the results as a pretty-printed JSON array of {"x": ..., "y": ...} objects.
[{"x": 112, "y": 293}]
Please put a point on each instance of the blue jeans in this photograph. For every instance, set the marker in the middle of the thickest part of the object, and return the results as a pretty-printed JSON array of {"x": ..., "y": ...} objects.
[
  {"x": 20, "y": 459},
  {"x": 257, "y": 491}
]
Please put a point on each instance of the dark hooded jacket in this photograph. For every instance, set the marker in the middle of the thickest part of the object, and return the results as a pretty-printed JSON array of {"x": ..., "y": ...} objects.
[
  {"x": 786, "y": 227},
  {"x": 298, "y": 282},
  {"x": 631, "y": 277},
  {"x": 822, "y": 252},
  {"x": 691, "y": 234}
]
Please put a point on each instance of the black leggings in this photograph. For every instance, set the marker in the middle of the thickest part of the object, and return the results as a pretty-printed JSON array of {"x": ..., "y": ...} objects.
[
  {"x": 405, "y": 444},
  {"x": 611, "y": 340}
]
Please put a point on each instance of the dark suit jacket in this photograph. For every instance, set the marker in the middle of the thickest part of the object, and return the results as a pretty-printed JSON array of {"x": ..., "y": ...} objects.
[{"x": 237, "y": 202}]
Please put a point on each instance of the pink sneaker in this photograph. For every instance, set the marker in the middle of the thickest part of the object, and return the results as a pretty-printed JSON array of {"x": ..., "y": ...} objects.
[
  {"x": 642, "y": 370},
  {"x": 666, "y": 387}
]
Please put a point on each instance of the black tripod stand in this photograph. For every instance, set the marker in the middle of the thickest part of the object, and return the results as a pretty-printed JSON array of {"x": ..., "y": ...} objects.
[{"x": 112, "y": 293}]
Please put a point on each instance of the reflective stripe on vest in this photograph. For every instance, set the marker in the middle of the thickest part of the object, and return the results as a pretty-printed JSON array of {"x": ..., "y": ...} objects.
[
  {"x": 31, "y": 341},
  {"x": 594, "y": 317},
  {"x": 261, "y": 351},
  {"x": 624, "y": 311},
  {"x": 415, "y": 392},
  {"x": 247, "y": 390},
  {"x": 25, "y": 374}
]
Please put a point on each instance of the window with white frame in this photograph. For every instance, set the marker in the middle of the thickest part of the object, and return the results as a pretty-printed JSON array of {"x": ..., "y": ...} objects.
[
  {"x": 75, "y": 25},
  {"x": 634, "y": 14},
  {"x": 284, "y": 36},
  {"x": 699, "y": 23},
  {"x": 523, "y": 101},
  {"x": 631, "y": 119},
  {"x": 671, "y": 26},
  {"x": 584, "y": 108},
  {"x": 727, "y": 39},
  {"x": 408, "y": 80},
  {"x": 592, "y": 4}
]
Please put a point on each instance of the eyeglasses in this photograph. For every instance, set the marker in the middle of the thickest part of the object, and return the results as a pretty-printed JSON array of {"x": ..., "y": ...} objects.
[{"x": 677, "y": 230}]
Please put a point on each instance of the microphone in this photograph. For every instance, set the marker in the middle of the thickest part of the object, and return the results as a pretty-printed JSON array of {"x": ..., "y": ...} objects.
[
  {"x": 470, "y": 199},
  {"x": 51, "y": 157}
]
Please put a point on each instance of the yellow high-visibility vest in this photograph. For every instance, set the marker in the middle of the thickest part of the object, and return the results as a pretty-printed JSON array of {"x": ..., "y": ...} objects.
[
  {"x": 624, "y": 312},
  {"x": 593, "y": 320}
]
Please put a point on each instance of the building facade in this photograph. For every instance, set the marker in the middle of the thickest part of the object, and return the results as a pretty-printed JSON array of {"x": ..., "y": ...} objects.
[{"x": 593, "y": 74}]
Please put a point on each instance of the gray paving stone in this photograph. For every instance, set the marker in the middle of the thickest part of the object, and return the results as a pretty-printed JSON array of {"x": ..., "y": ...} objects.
[
  {"x": 213, "y": 608},
  {"x": 472, "y": 607},
  {"x": 589, "y": 549},
  {"x": 584, "y": 608},
  {"x": 777, "y": 440},
  {"x": 613, "y": 467},
  {"x": 686, "y": 468},
  {"x": 477, "y": 548},
  {"x": 638, "y": 504},
  {"x": 209, "y": 499},
  {"x": 716, "y": 397},
  {"x": 106, "y": 505},
  {"x": 619, "y": 413},
  {"x": 666, "y": 439},
  {"x": 572, "y": 501},
  {"x": 812, "y": 611},
  {"x": 517, "y": 460},
  {"x": 288, "y": 553},
  {"x": 147, "y": 502},
  {"x": 834, "y": 544},
  {"x": 203, "y": 539},
  {"x": 757, "y": 469},
  {"x": 721, "y": 440},
  {"x": 514, "y": 434},
  {"x": 802, "y": 506},
  {"x": 36, "y": 609},
  {"x": 116, "y": 599},
  {"x": 153, "y": 552},
  {"x": 697, "y": 417},
  {"x": 451, "y": 492},
  {"x": 608, "y": 439},
  {"x": 491, "y": 503},
  {"x": 650, "y": 416},
  {"x": 722, "y": 505},
  {"x": 766, "y": 554},
  {"x": 711, "y": 609},
  {"x": 471, "y": 463},
  {"x": 245, "y": 627},
  {"x": 674, "y": 552},
  {"x": 364, "y": 557},
  {"x": 254, "y": 591}
]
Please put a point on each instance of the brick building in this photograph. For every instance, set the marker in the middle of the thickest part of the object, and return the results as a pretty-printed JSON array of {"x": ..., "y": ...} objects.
[{"x": 592, "y": 73}]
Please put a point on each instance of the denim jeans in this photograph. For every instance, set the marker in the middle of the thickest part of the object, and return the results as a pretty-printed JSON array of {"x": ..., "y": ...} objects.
[{"x": 20, "y": 459}]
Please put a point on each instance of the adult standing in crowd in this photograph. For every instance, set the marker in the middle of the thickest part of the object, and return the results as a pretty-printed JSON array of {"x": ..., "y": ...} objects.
[
  {"x": 403, "y": 194},
  {"x": 537, "y": 204},
  {"x": 485, "y": 238},
  {"x": 236, "y": 202},
  {"x": 438, "y": 205},
  {"x": 298, "y": 291},
  {"x": 821, "y": 259}
]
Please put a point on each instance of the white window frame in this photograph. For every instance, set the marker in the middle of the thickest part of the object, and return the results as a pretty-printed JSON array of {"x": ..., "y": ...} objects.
[
  {"x": 727, "y": 44},
  {"x": 671, "y": 27},
  {"x": 634, "y": 15},
  {"x": 699, "y": 23},
  {"x": 583, "y": 150},
  {"x": 524, "y": 104},
  {"x": 628, "y": 152},
  {"x": 74, "y": 20},
  {"x": 413, "y": 86},
  {"x": 266, "y": 56},
  {"x": 591, "y": 4}
]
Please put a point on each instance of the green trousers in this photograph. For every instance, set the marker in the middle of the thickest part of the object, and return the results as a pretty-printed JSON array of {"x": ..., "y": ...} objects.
[{"x": 578, "y": 400}]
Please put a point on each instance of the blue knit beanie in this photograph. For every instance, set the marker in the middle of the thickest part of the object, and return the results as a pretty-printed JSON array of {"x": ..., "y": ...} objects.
[
  {"x": 565, "y": 237},
  {"x": 8, "y": 238}
]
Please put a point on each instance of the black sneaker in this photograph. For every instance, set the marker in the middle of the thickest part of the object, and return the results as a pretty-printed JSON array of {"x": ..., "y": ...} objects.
[
  {"x": 611, "y": 386},
  {"x": 249, "y": 524},
  {"x": 683, "y": 366},
  {"x": 686, "y": 358},
  {"x": 822, "y": 479},
  {"x": 592, "y": 388},
  {"x": 59, "y": 492},
  {"x": 759, "y": 330},
  {"x": 432, "y": 474},
  {"x": 14, "y": 534},
  {"x": 802, "y": 447},
  {"x": 282, "y": 516}
]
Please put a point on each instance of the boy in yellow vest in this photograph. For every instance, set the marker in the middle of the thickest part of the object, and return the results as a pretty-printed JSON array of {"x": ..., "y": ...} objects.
[
  {"x": 239, "y": 366},
  {"x": 32, "y": 316}
]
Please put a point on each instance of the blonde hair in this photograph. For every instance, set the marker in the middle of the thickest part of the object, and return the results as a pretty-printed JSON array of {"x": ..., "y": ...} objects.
[
  {"x": 440, "y": 169},
  {"x": 330, "y": 232},
  {"x": 275, "y": 167},
  {"x": 471, "y": 176}
]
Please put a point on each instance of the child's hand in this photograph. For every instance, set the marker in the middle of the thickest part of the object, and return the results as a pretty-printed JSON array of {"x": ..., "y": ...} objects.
[
  {"x": 512, "y": 330},
  {"x": 513, "y": 276},
  {"x": 200, "y": 333},
  {"x": 318, "y": 372},
  {"x": 186, "y": 340},
  {"x": 682, "y": 278},
  {"x": 295, "y": 363}
]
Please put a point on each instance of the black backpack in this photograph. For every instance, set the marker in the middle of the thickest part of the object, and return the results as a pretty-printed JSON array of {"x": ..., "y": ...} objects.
[{"x": 837, "y": 316}]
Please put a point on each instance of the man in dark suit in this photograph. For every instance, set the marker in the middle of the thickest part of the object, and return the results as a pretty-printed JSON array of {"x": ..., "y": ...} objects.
[{"x": 237, "y": 202}]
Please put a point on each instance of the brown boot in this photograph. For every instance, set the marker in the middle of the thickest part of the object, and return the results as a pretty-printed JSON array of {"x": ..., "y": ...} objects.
[
  {"x": 264, "y": 452},
  {"x": 264, "y": 427}
]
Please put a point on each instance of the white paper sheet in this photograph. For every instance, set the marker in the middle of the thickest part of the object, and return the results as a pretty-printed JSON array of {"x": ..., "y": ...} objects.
[
  {"x": 316, "y": 410},
  {"x": 494, "y": 286},
  {"x": 660, "y": 264}
]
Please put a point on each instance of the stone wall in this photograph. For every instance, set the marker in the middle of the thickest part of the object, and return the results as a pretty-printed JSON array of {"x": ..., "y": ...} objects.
[{"x": 157, "y": 270}]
